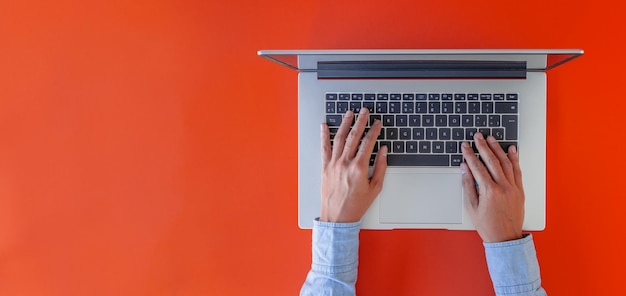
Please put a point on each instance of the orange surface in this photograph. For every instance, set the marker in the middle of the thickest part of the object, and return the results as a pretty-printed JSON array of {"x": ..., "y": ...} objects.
[{"x": 120, "y": 176}]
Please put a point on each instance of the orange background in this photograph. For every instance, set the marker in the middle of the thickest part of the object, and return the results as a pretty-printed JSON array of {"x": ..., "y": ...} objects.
[{"x": 146, "y": 150}]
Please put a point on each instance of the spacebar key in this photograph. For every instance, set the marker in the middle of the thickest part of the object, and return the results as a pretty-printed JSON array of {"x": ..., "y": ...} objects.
[{"x": 417, "y": 160}]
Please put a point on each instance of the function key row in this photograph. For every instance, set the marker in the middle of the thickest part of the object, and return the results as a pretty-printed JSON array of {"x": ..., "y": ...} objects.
[{"x": 420, "y": 96}]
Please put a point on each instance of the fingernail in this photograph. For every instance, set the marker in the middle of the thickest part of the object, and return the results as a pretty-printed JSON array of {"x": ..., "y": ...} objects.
[
  {"x": 514, "y": 149},
  {"x": 362, "y": 111},
  {"x": 465, "y": 144},
  {"x": 384, "y": 151},
  {"x": 491, "y": 139},
  {"x": 322, "y": 126},
  {"x": 479, "y": 136}
]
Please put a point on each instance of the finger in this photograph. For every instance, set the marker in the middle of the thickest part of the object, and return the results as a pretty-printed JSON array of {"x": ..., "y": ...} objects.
[
  {"x": 342, "y": 132},
  {"x": 325, "y": 139},
  {"x": 367, "y": 146},
  {"x": 354, "y": 137},
  {"x": 476, "y": 167},
  {"x": 506, "y": 165},
  {"x": 491, "y": 161},
  {"x": 380, "y": 167},
  {"x": 470, "y": 195},
  {"x": 517, "y": 171}
]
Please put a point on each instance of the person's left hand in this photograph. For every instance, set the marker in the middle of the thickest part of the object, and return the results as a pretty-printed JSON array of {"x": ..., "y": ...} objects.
[{"x": 347, "y": 191}]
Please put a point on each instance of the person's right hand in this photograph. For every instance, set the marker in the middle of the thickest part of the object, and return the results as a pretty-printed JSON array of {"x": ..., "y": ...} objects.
[{"x": 496, "y": 204}]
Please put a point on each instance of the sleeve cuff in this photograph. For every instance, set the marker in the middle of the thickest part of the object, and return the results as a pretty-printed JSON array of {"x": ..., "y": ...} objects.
[
  {"x": 335, "y": 247},
  {"x": 513, "y": 266}
]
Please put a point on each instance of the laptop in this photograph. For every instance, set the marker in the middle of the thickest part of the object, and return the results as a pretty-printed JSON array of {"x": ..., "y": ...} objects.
[{"x": 429, "y": 102}]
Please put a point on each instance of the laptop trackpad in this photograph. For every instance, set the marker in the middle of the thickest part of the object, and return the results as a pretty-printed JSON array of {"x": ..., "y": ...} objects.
[{"x": 426, "y": 198}]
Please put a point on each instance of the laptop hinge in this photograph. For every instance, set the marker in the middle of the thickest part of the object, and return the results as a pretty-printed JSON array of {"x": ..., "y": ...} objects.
[{"x": 426, "y": 69}]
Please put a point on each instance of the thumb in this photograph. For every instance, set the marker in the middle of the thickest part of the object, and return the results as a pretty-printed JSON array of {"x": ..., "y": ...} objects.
[{"x": 470, "y": 196}]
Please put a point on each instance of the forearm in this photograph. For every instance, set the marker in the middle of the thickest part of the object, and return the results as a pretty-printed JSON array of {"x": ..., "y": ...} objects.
[
  {"x": 335, "y": 259},
  {"x": 514, "y": 268}
]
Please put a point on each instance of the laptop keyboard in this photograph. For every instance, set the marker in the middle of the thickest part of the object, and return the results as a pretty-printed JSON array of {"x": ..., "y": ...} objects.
[{"x": 427, "y": 129}]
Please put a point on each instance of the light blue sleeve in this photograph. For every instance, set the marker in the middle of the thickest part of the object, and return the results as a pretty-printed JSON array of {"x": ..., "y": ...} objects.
[
  {"x": 335, "y": 259},
  {"x": 514, "y": 268}
]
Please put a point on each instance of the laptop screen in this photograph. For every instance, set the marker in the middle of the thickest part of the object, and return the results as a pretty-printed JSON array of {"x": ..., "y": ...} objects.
[{"x": 536, "y": 60}]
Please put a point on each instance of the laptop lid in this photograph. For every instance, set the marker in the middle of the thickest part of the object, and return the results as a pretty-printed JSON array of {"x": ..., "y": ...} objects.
[{"x": 318, "y": 60}]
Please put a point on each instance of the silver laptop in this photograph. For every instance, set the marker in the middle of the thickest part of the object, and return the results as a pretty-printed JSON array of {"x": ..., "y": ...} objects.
[{"x": 429, "y": 102}]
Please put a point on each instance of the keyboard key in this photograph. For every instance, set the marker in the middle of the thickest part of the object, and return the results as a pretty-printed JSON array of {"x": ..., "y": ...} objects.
[
  {"x": 434, "y": 107},
  {"x": 498, "y": 133},
  {"x": 381, "y": 135},
  {"x": 398, "y": 147},
  {"x": 472, "y": 97},
  {"x": 473, "y": 107},
  {"x": 374, "y": 117},
  {"x": 421, "y": 97},
  {"x": 494, "y": 120},
  {"x": 506, "y": 107},
  {"x": 407, "y": 107},
  {"x": 355, "y": 106},
  {"x": 480, "y": 120},
  {"x": 435, "y": 97},
  {"x": 444, "y": 133},
  {"x": 451, "y": 146},
  {"x": 509, "y": 122},
  {"x": 431, "y": 134},
  {"x": 344, "y": 97},
  {"x": 411, "y": 147},
  {"x": 454, "y": 120},
  {"x": 428, "y": 120},
  {"x": 333, "y": 132},
  {"x": 512, "y": 97},
  {"x": 467, "y": 120},
  {"x": 405, "y": 133},
  {"x": 331, "y": 97},
  {"x": 487, "y": 107},
  {"x": 370, "y": 97},
  {"x": 333, "y": 120},
  {"x": 458, "y": 134},
  {"x": 456, "y": 160},
  {"x": 395, "y": 107},
  {"x": 414, "y": 120},
  {"x": 498, "y": 97},
  {"x": 369, "y": 106},
  {"x": 505, "y": 145},
  {"x": 485, "y": 131},
  {"x": 408, "y": 97},
  {"x": 469, "y": 133},
  {"x": 438, "y": 147},
  {"x": 330, "y": 107},
  {"x": 418, "y": 160},
  {"x": 385, "y": 143},
  {"x": 375, "y": 147},
  {"x": 460, "y": 107},
  {"x": 424, "y": 146},
  {"x": 485, "y": 97},
  {"x": 395, "y": 97},
  {"x": 418, "y": 133},
  {"x": 388, "y": 120},
  {"x": 401, "y": 120},
  {"x": 382, "y": 97},
  {"x": 421, "y": 107},
  {"x": 459, "y": 97},
  {"x": 447, "y": 107},
  {"x": 391, "y": 133},
  {"x": 357, "y": 97},
  {"x": 342, "y": 107},
  {"x": 441, "y": 120},
  {"x": 381, "y": 107},
  {"x": 446, "y": 97}
]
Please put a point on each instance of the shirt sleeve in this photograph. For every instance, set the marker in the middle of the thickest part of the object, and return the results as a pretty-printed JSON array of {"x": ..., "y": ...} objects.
[
  {"x": 514, "y": 268},
  {"x": 335, "y": 259}
]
